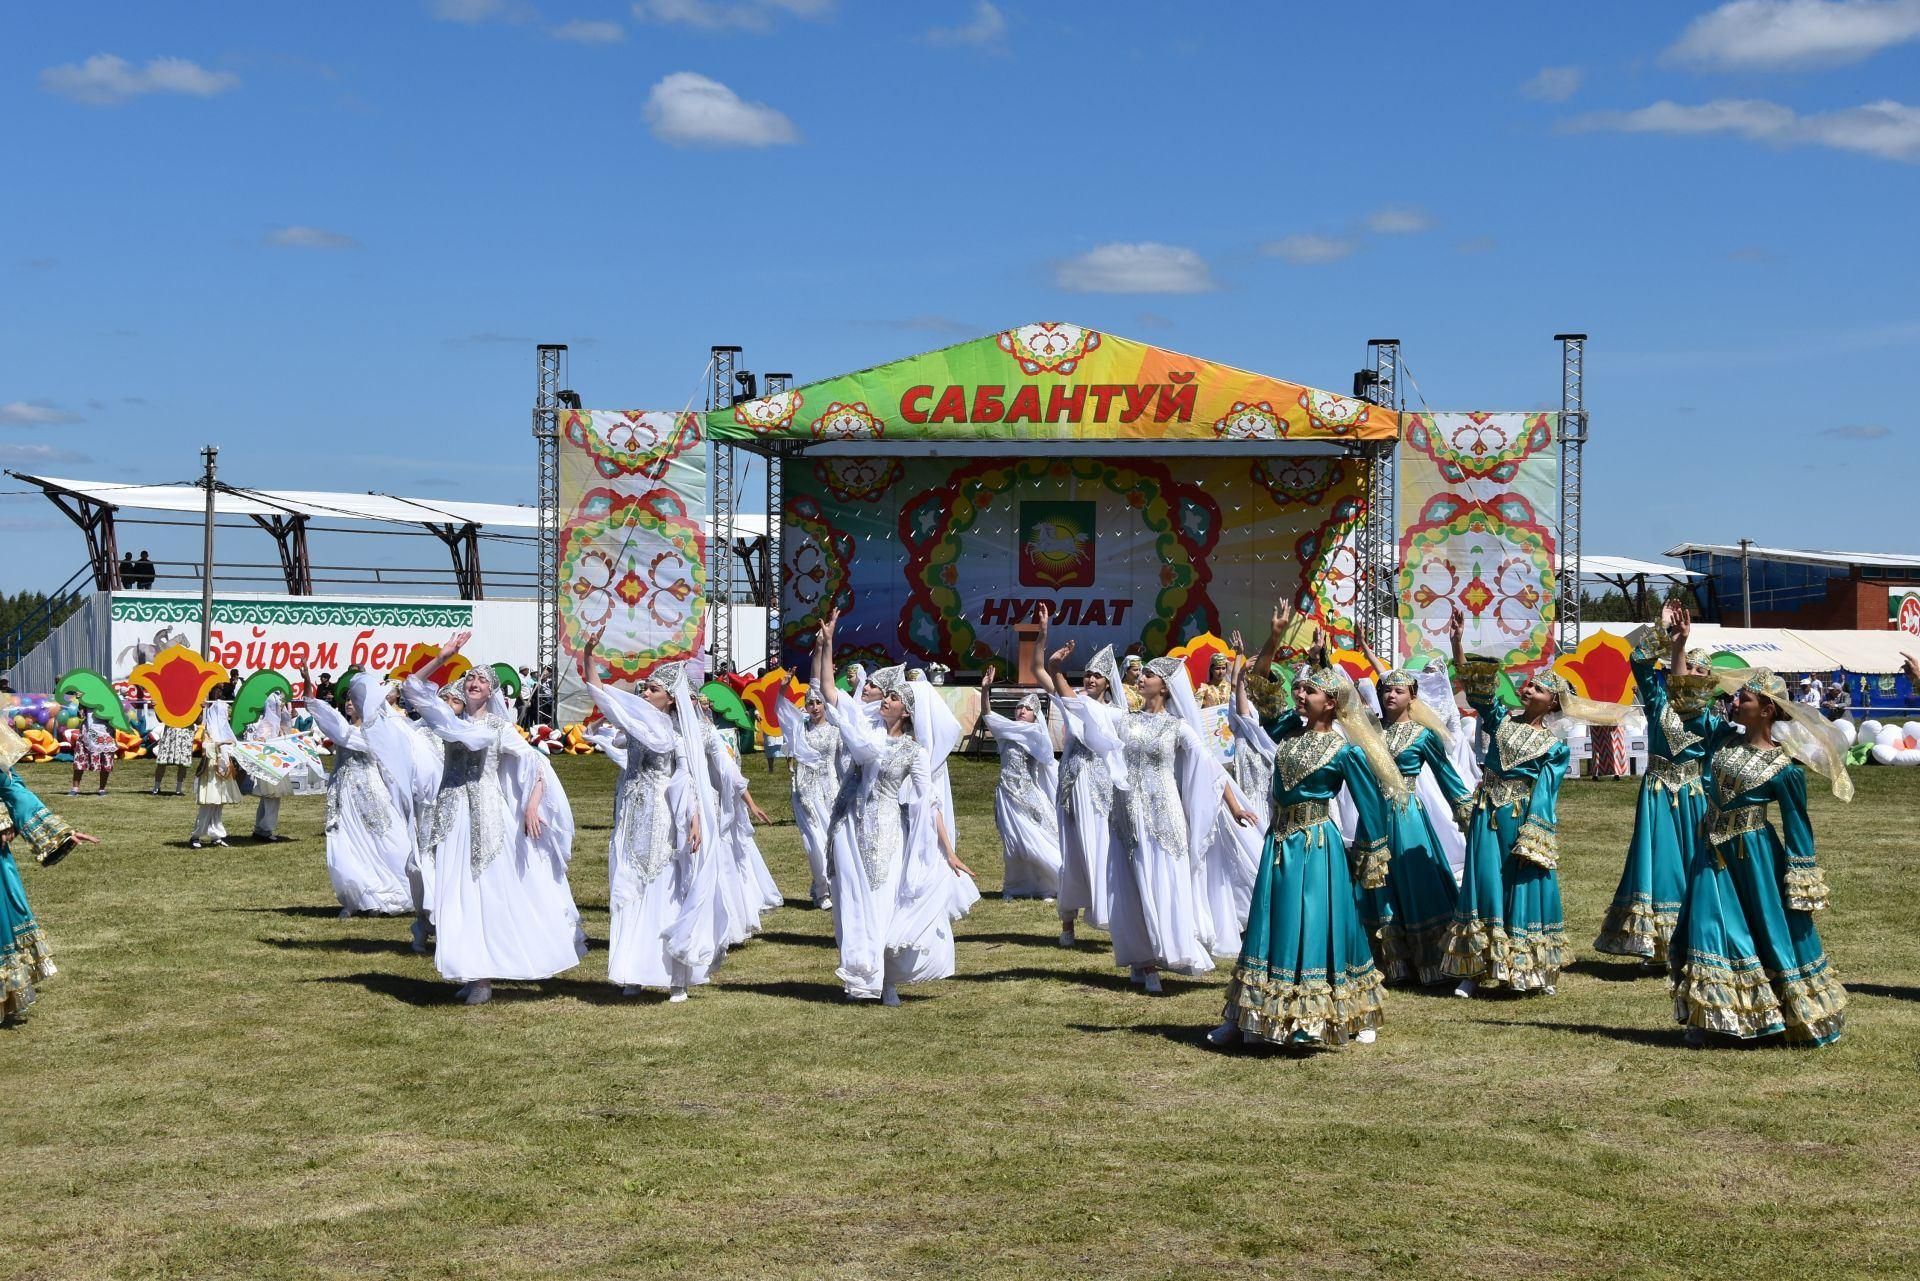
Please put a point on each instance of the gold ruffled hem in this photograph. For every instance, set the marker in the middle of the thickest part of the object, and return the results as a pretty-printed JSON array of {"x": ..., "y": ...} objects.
[
  {"x": 1370, "y": 864},
  {"x": 1815, "y": 1007},
  {"x": 27, "y": 962},
  {"x": 1637, "y": 929},
  {"x": 1490, "y": 956},
  {"x": 1537, "y": 843},
  {"x": 1748, "y": 1002},
  {"x": 1317, "y": 1011},
  {"x": 1806, "y": 889},
  {"x": 1401, "y": 953}
]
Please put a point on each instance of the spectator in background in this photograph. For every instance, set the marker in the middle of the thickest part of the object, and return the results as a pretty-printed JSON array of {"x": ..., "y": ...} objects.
[
  {"x": 129, "y": 576},
  {"x": 1835, "y": 702},
  {"x": 323, "y": 688},
  {"x": 144, "y": 568},
  {"x": 1810, "y": 690}
]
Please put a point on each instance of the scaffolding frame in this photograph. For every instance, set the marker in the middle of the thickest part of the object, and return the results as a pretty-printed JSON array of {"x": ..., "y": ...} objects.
[
  {"x": 1376, "y": 606},
  {"x": 1573, "y": 442},
  {"x": 546, "y": 435}
]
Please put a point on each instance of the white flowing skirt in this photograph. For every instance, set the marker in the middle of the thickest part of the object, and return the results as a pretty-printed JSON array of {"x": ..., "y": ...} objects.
[
  {"x": 1084, "y": 841},
  {"x": 886, "y": 936},
  {"x": 1153, "y": 914},
  {"x": 369, "y": 872},
  {"x": 815, "y": 840},
  {"x": 638, "y": 953},
  {"x": 516, "y": 920},
  {"x": 1452, "y": 843},
  {"x": 1032, "y": 850}
]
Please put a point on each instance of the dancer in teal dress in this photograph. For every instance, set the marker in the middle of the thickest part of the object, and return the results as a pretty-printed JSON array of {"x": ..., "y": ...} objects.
[
  {"x": 1305, "y": 975},
  {"x": 1666, "y": 822},
  {"x": 1746, "y": 960},
  {"x": 1508, "y": 926},
  {"x": 25, "y": 959},
  {"x": 1407, "y": 918}
]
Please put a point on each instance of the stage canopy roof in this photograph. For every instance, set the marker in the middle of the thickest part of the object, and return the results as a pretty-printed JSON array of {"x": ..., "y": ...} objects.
[
  {"x": 291, "y": 502},
  {"x": 1052, "y": 382}
]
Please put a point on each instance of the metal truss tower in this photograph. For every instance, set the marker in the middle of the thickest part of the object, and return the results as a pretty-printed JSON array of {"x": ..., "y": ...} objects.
[
  {"x": 1377, "y": 609},
  {"x": 775, "y": 461},
  {"x": 720, "y": 554},
  {"x": 546, "y": 436},
  {"x": 1573, "y": 441}
]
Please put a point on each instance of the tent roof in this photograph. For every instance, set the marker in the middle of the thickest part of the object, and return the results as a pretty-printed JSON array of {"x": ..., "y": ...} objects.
[
  {"x": 1793, "y": 556},
  {"x": 386, "y": 508},
  {"x": 1592, "y": 566},
  {"x": 1053, "y": 381},
  {"x": 1793, "y": 649},
  {"x": 1869, "y": 653}
]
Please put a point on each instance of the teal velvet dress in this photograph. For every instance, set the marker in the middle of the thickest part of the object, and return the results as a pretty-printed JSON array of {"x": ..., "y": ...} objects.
[
  {"x": 1746, "y": 959},
  {"x": 1305, "y": 973},
  {"x": 1508, "y": 927},
  {"x": 24, "y": 957},
  {"x": 1666, "y": 827},
  {"x": 1407, "y": 918}
]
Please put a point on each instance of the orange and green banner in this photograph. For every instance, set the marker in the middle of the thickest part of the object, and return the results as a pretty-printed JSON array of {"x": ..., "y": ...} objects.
[{"x": 1053, "y": 381}]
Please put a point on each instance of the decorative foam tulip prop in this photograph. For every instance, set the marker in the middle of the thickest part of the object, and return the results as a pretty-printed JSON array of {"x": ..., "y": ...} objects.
[
  {"x": 420, "y": 655},
  {"x": 96, "y": 695},
  {"x": 1600, "y": 669},
  {"x": 1198, "y": 654},
  {"x": 179, "y": 681},
  {"x": 252, "y": 698},
  {"x": 760, "y": 696},
  {"x": 727, "y": 707},
  {"x": 508, "y": 678}
]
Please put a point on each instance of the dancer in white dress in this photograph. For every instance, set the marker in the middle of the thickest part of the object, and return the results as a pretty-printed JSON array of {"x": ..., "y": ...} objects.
[
  {"x": 747, "y": 888},
  {"x": 1086, "y": 793},
  {"x": 812, "y": 744},
  {"x": 1157, "y": 910},
  {"x": 216, "y": 784},
  {"x": 369, "y": 811},
  {"x": 275, "y": 721},
  {"x": 502, "y": 837},
  {"x": 1024, "y": 802},
  {"x": 893, "y": 898},
  {"x": 668, "y": 921}
]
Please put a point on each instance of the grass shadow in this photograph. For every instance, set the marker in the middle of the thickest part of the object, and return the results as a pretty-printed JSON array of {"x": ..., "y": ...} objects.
[
  {"x": 1892, "y": 993},
  {"x": 1050, "y": 941},
  {"x": 795, "y": 990},
  {"x": 1192, "y": 1037},
  {"x": 312, "y": 913},
  {"x": 1621, "y": 971},
  {"x": 356, "y": 946},
  {"x": 1112, "y": 981},
  {"x": 799, "y": 904},
  {"x": 423, "y": 992},
  {"x": 1664, "y": 1040},
  {"x": 796, "y": 940}
]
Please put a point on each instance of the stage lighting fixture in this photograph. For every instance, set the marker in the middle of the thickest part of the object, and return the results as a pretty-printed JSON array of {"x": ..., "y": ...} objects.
[
  {"x": 570, "y": 400},
  {"x": 1364, "y": 381},
  {"x": 749, "y": 387}
]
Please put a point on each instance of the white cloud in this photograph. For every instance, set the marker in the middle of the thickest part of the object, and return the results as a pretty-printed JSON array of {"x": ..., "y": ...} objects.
[
  {"x": 1310, "y": 248},
  {"x": 106, "y": 79},
  {"x": 1143, "y": 268},
  {"x": 1857, "y": 431},
  {"x": 36, "y": 413},
  {"x": 1890, "y": 130},
  {"x": 687, "y": 109},
  {"x": 580, "y": 31},
  {"x": 1750, "y": 35},
  {"x": 1399, "y": 220},
  {"x": 1554, "y": 84},
  {"x": 39, "y": 455},
  {"x": 308, "y": 238},
  {"x": 987, "y": 27},
  {"x": 727, "y": 15},
  {"x": 474, "y": 12}
]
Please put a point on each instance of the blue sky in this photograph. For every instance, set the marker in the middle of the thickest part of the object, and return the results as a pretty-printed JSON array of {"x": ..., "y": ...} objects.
[{"x": 327, "y": 236}]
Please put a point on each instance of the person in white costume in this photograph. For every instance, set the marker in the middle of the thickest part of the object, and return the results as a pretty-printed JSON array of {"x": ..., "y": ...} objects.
[
  {"x": 216, "y": 784},
  {"x": 1158, "y": 914},
  {"x": 893, "y": 862},
  {"x": 369, "y": 808},
  {"x": 812, "y": 744},
  {"x": 275, "y": 721},
  {"x": 1024, "y": 806},
  {"x": 668, "y": 922},
  {"x": 1086, "y": 792},
  {"x": 747, "y": 887},
  {"x": 502, "y": 837}
]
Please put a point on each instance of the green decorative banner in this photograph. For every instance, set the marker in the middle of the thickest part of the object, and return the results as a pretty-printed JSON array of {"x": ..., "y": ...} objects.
[{"x": 291, "y": 613}]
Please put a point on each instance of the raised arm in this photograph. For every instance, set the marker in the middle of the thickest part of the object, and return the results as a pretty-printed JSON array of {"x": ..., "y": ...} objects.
[
  {"x": 453, "y": 646},
  {"x": 335, "y": 726},
  {"x": 1282, "y": 619},
  {"x": 823, "y": 658},
  {"x": 425, "y": 700},
  {"x": 1055, "y": 673}
]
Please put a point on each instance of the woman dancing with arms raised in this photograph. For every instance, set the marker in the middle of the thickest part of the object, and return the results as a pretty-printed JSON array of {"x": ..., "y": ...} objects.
[
  {"x": 812, "y": 744},
  {"x": 1745, "y": 957},
  {"x": 893, "y": 862},
  {"x": 369, "y": 808},
  {"x": 502, "y": 837},
  {"x": 1085, "y": 794},
  {"x": 1023, "y": 802}
]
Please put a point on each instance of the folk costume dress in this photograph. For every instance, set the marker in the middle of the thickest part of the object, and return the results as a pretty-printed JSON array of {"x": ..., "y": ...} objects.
[
  {"x": 26, "y": 960},
  {"x": 275, "y": 722},
  {"x": 502, "y": 907},
  {"x": 668, "y": 923},
  {"x": 1024, "y": 804},
  {"x": 217, "y": 784},
  {"x": 369, "y": 813},
  {"x": 1746, "y": 958},
  {"x": 1508, "y": 925},
  {"x": 95, "y": 749},
  {"x": 892, "y": 904},
  {"x": 1408, "y": 917},
  {"x": 1666, "y": 822},
  {"x": 747, "y": 888},
  {"x": 1305, "y": 973},
  {"x": 818, "y": 767},
  {"x": 1085, "y": 796}
]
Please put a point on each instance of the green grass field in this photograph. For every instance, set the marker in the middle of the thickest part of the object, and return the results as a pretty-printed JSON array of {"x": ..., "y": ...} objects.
[{"x": 226, "y": 1081}]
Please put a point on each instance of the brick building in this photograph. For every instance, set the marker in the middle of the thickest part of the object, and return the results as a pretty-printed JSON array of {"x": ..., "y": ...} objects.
[{"x": 1855, "y": 591}]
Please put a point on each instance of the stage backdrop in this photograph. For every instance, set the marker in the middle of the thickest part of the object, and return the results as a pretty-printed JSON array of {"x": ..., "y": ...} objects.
[
  {"x": 1479, "y": 514},
  {"x": 633, "y": 542},
  {"x": 936, "y": 560}
]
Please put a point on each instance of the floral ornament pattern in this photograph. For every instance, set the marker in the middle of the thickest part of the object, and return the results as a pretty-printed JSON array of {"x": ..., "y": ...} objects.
[
  {"x": 1496, "y": 561},
  {"x": 1051, "y": 347},
  {"x": 847, "y": 422},
  {"x": 857, "y": 479},
  {"x": 1329, "y": 557},
  {"x": 1480, "y": 447},
  {"x": 1338, "y": 415},
  {"x": 633, "y": 574},
  {"x": 769, "y": 415},
  {"x": 1299, "y": 482},
  {"x": 630, "y": 442},
  {"x": 420, "y": 655},
  {"x": 178, "y": 680},
  {"x": 816, "y": 566},
  {"x": 1257, "y": 421}
]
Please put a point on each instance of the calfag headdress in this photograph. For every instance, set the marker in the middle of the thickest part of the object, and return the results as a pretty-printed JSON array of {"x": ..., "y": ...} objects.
[
  {"x": 1572, "y": 706},
  {"x": 1165, "y": 667},
  {"x": 1423, "y": 715},
  {"x": 1809, "y": 737},
  {"x": 1358, "y": 726},
  {"x": 672, "y": 677},
  {"x": 889, "y": 679},
  {"x": 1031, "y": 703},
  {"x": 1103, "y": 664}
]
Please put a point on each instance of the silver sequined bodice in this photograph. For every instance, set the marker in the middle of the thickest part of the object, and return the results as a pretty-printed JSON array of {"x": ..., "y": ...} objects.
[
  {"x": 815, "y": 784},
  {"x": 1020, "y": 781},
  {"x": 358, "y": 782},
  {"x": 470, "y": 793},
  {"x": 643, "y": 824},
  {"x": 1078, "y": 761},
  {"x": 1149, "y": 741},
  {"x": 878, "y": 818}
]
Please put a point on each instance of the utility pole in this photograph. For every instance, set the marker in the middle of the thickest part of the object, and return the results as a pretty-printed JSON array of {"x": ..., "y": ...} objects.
[
  {"x": 210, "y": 455},
  {"x": 1746, "y": 585}
]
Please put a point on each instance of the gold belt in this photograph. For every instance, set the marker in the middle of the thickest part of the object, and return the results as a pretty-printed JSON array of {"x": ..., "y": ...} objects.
[
  {"x": 1299, "y": 817},
  {"x": 1499, "y": 791},
  {"x": 1674, "y": 776},
  {"x": 1727, "y": 825}
]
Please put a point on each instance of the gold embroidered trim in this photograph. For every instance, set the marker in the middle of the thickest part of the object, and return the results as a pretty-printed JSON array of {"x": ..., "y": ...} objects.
[
  {"x": 1401, "y": 734},
  {"x": 1679, "y": 737},
  {"x": 1537, "y": 843},
  {"x": 1637, "y": 928},
  {"x": 1299, "y": 817},
  {"x": 1486, "y": 953},
  {"x": 1806, "y": 889},
  {"x": 1520, "y": 742},
  {"x": 1369, "y": 863},
  {"x": 1730, "y": 825},
  {"x": 1299, "y": 755},
  {"x": 1282, "y": 1009},
  {"x": 1738, "y": 769},
  {"x": 1674, "y": 777},
  {"x": 1496, "y": 791}
]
